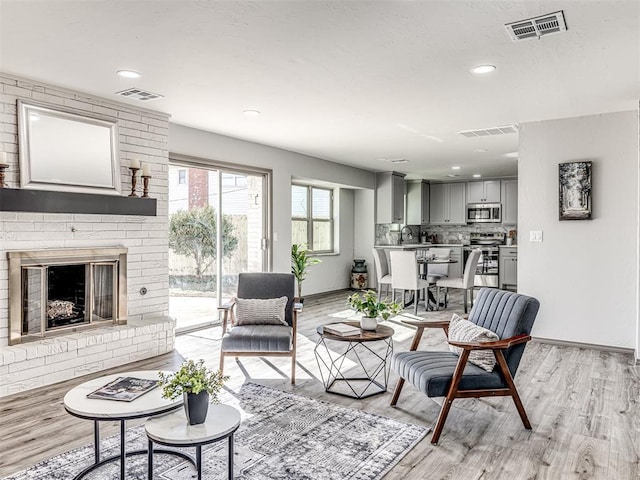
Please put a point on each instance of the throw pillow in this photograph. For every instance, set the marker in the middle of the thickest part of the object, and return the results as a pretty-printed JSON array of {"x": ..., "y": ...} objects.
[
  {"x": 461, "y": 330},
  {"x": 258, "y": 311}
]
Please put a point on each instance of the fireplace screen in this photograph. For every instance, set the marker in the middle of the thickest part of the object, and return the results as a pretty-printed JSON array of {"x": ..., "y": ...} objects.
[
  {"x": 58, "y": 295},
  {"x": 65, "y": 289}
]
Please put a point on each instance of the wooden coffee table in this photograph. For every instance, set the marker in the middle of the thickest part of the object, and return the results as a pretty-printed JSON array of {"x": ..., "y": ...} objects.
[{"x": 372, "y": 362}]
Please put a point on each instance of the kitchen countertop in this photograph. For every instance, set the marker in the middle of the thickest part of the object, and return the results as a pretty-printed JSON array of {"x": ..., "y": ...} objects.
[
  {"x": 420, "y": 245},
  {"x": 508, "y": 246}
]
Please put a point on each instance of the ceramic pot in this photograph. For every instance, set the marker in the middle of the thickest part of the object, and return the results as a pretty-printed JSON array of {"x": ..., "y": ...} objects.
[
  {"x": 359, "y": 266},
  {"x": 368, "y": 323},
  {"x": 195, "y": 407}
]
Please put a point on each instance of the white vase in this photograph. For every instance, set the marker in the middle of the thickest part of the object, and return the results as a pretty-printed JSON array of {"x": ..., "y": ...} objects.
[{"x": 368, "y": 323}]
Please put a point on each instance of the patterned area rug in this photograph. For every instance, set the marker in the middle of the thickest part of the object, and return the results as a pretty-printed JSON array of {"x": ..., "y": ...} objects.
[{"x": 282, "y": 436}]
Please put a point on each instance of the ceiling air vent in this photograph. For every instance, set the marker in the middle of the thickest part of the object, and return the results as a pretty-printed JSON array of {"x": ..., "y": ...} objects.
[
  {"x": 138, "y": 94},
  {"x": 486, "y": 132},
  {"x": 537, "y": 27}
]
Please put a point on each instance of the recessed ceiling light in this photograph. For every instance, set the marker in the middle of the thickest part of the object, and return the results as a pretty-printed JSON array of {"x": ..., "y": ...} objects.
[
  {"x": 252, "y": 113},
  {"x": 456, "y": 167},
  {"x": 481, "y": 69},
  {"x": 481, "y": 150},
  {"x": 128, "y": 74},
  {"x": 452, "y": 175},
  {"x": 476, "y": 175},
  {"x": 511, "y": 155}
]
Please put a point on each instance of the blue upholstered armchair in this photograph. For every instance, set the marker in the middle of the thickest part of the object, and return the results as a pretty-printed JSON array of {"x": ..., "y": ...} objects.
[
  {"x": 262, "y": 319},
  {"x": 445, "y": 374}
]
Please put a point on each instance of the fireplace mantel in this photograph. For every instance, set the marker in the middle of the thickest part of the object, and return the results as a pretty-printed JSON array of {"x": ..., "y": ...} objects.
[{"x": 41, "y": 201}]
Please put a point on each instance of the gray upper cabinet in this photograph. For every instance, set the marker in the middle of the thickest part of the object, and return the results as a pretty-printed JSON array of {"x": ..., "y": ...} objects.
[
  {"x": 510, "y": 202},
  {"x": 390, "y": 192},
  {"x": 487, "y": 191},
  {"x": 447, "y": 204},
  {"x": 417, "y": 202}
]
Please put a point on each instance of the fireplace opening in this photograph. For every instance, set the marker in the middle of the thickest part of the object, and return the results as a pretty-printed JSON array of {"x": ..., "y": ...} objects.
[
  {"x": 57, "y": 290},
  {"x": 66, "y": 295}
]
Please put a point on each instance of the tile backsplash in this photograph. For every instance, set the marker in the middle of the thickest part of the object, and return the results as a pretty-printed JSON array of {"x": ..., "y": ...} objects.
[{"x": 389, "y": 234}]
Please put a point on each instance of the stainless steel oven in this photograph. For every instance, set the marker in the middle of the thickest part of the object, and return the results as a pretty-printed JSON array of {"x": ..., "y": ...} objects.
[
  {"x": 488, "y": 269},
  {"x": 484, "y": 213}
]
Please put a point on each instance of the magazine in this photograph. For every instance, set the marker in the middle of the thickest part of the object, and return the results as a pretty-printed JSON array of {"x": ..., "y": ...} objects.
[
  {"x": 124, "y": 389},
  {"x": 341, "y": 329}
]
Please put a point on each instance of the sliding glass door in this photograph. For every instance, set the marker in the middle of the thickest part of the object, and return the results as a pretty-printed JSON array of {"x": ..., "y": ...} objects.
[{"x": 217, "y": 229}]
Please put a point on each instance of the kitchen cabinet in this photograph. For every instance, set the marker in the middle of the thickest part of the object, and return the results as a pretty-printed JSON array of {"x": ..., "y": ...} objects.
[
  {"x": 390, "y": 190},
  {"x": 417, "y": 202},
  {"x": 487, "y": 191},
  {"x": 447, "y": 202},
  {"x": 510, "y": 202},
  {"x": 508, "y": 268}
]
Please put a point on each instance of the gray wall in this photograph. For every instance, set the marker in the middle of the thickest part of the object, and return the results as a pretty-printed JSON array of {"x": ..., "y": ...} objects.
[
  {"x": 333, "y": 272},
  {"x": 585, "y": 273}
]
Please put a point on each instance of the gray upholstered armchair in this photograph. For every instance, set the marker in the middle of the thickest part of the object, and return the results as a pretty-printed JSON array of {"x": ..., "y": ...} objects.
[
  {"x": 510, "y": 317},
  {"x": 262, "y": 319}
]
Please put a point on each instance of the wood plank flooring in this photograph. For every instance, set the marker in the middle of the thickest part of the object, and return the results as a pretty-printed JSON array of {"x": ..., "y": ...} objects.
[{"x": 583, "y": 405}]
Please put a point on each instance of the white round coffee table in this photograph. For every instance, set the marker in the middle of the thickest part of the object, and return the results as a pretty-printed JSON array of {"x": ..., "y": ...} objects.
[
  {"x": 151, "y": 403},
  {"x": 172, "y": 430}
]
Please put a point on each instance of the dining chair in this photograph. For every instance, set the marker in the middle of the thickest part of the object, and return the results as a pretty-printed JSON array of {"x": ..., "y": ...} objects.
[
  {"x": 436, "y": 271},
  {"x": 383, "y": 276},
  {"x": 462, "y": 372},
  {"x": 406, "y": 275},
  {"x": 465, "y": 282}
]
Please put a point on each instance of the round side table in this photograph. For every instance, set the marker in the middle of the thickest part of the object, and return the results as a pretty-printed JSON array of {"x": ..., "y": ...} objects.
[
  {"x": 372, "y": 363},
  {"x": 173, "y": 430}
]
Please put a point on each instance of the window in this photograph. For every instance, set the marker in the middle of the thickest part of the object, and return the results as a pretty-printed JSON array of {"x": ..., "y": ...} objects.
[
  {"x": 312, "y": 217},
  {"x": 182, "y": 177}
]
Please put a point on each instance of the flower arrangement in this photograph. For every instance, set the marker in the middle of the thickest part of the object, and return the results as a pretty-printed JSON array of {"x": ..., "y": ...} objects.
[
  {"x": 513, "y": 234},
  {"x": 368, "y": 304},
  {"x": 192, "y": 377}
]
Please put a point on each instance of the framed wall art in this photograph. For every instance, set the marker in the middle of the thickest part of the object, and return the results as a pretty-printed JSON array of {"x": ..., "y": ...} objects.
[{"x": 575, "y": 190}]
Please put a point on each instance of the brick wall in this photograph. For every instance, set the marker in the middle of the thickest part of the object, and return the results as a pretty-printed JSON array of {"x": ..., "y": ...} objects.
[{"x": 143, "y": 134}]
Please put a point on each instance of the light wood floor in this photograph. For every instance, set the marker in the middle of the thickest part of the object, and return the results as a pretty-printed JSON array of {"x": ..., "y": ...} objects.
[{"x": 583, "y": 405}]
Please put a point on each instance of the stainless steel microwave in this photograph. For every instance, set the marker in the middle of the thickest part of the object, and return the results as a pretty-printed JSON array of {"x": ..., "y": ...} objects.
[{"x": 484, "y": 213}]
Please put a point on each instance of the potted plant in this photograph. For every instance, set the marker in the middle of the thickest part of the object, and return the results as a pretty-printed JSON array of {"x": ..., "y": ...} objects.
[
  {"x": 198, "y": 385},
  {"x": 368, "y": 304},
  {"x": 300, "y": 263}
]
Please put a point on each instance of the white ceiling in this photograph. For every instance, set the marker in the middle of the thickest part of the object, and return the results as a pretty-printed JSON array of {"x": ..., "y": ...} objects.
[{"x": 349, "y": 81}]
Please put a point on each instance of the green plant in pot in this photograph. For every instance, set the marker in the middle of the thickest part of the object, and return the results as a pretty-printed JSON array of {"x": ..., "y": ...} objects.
[
  {"x": 198, "y": 385},
  {"x": 300, "y": 263},
  {"x": 368, "y": 304}
]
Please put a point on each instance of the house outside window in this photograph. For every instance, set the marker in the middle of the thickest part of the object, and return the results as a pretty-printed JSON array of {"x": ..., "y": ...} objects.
[{"x": 312, "y": 217}]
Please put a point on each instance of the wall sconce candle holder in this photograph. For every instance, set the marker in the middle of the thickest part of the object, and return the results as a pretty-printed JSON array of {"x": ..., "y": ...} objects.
[
  {"x": 145, "y": 186},
  {"x": 134, "y": 181},
  {"x": 3, "y": 167}
]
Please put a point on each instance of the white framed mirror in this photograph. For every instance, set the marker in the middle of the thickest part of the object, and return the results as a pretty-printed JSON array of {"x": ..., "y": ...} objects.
[{"x": 65, "y": 151}]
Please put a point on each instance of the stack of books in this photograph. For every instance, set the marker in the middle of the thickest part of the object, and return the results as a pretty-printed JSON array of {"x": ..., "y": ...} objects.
[{"x": 341, "y": 329}]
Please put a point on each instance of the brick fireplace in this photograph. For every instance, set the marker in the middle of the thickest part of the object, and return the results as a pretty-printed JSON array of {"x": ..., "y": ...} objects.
[
  {"x": 83, "y": 336},
  {"x": 58, "y": 291}
]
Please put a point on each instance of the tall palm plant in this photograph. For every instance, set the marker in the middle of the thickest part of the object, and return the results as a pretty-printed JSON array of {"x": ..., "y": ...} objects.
[{"x": 300, "y": 263}]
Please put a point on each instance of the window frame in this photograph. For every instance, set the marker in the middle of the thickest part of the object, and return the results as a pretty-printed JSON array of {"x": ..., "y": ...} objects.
[{"x": 310, "y": 220}]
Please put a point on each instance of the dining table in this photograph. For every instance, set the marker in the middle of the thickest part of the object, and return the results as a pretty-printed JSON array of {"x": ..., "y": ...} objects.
[{"x": 427, "y": 260}]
